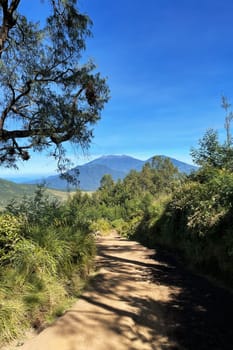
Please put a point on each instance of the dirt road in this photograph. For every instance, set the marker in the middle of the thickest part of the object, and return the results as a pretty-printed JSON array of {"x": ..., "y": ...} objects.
[{"x": 141, "y": 300}]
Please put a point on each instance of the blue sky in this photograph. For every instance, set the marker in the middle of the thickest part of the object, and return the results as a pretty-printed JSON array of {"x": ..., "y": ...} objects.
[{"x": 168, "y": 63}]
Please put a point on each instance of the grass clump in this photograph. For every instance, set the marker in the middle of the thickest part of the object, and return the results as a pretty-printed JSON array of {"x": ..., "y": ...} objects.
[{"x": 46, "y": 255}]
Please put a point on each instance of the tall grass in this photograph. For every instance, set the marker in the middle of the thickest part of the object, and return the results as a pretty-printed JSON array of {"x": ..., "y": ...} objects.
[{"x": 44, "y": 259}]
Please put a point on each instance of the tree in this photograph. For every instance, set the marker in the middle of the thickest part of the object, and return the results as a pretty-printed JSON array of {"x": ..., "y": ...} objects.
[
  {"x": 212, "y": 153},
  {"x": 209, "y": 152},
  {"x": 228, "y": 118},
  {"x": 47, "y": 97},
  {"x": 146, "y": 178},
  {"x": 165, "y": 175},
  {"x": 106, "y": 183},
  {"x": 106, "y": 189}
]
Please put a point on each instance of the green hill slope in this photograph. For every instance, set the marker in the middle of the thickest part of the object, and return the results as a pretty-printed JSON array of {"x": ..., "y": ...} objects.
[{"x": 10, "y": 190}]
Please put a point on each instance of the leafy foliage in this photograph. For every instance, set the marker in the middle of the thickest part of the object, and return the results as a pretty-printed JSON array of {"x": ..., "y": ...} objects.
[
  {"x": 45, "y": 254},
  {"x": 212, "y": 153},
  {"x": 209, "y": 151},
  {"x": 10, "y": 232},
  {"x": 191, "y": 215},
  {"x": 196, "y": 219},
  {"x": 48, "y": 96},
  {"x": 124, "y": 203}
]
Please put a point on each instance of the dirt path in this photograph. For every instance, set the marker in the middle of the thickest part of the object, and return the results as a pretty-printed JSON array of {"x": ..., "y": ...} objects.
[{"x": 139, "y": 303}]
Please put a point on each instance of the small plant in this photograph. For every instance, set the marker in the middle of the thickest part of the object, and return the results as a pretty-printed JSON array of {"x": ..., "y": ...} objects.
[
  {"x": 101, "y": 225},
  {"x": 12, "y": 322},
  {"x": 10, "y": 234}
]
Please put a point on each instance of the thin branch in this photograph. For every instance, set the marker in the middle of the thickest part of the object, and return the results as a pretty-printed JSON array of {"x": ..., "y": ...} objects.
[
  {"x": 13, "y": 101},
  {"x": 18, "y": 112},
  {"x": 76, "y": 96}
]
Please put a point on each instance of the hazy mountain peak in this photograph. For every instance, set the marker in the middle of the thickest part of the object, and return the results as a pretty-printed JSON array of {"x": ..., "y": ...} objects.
[{"x": 118, "y": 166}]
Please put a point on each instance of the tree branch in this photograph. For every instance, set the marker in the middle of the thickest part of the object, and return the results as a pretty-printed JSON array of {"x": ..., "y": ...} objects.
[
  {"x": 53, "y": 134},
  {"x": 8, "y": 21},
  {"x": 14, "y": 99}
]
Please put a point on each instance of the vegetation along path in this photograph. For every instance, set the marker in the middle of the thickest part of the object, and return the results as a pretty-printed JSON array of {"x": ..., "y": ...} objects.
[{"x": 141, "y": 300}]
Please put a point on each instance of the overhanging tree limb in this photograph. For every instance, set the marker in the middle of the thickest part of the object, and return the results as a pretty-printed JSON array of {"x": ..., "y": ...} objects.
[
  {"x": 8, "y": 20},
  {"x": 46, "y": 96}
]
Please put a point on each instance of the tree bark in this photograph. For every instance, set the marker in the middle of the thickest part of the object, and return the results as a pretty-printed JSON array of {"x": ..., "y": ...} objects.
[{"x": 8, "y": 21}]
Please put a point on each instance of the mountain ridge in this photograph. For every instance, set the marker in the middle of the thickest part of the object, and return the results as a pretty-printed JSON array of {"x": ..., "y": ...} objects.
[{"x": 118, "y": 166}]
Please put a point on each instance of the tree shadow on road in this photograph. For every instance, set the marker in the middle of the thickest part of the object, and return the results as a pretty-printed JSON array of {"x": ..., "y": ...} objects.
[
  {"x": 195, "y": 315},
  {"x": 198, "y": 317}
]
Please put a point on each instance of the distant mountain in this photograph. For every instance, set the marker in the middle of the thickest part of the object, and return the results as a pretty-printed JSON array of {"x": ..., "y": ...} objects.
[
  {"x": 89, "y": 177},
  {"x": 117, "y": 166},
  {"x": 120, "y": 163}
]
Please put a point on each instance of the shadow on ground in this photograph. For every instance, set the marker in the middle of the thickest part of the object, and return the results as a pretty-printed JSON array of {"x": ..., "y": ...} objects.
[
  {"x": 144, "y": 300},
  {"x": 198, "y": 317}
]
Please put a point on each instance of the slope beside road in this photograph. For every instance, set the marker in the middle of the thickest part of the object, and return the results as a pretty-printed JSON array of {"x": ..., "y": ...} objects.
[{"x": 141, "y": 300}]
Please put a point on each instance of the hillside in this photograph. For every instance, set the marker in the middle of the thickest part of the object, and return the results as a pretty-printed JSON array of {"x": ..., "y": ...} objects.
[
  {"x": 10, "y": 190},
  {"x": 118, "y": 166}
]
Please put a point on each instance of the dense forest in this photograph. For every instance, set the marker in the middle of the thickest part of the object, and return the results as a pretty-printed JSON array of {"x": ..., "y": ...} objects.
[{"x": 47, "y": 247}]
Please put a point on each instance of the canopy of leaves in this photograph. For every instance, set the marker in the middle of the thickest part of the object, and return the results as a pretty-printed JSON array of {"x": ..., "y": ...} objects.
[
  {"x": 47, "y": 96},
  {"x": 211, "y": 152}
]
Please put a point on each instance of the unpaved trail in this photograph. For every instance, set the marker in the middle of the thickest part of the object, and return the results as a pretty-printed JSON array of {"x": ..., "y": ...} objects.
[{"x": 140, "y": 300}]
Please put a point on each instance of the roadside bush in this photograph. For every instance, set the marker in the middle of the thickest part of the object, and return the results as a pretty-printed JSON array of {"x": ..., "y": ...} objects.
[
  {"x": 43, "y": 294},
  {"x": 83, "y": 253},
  {"x": 120, "y": 225},
  {"x": 101, "y": 225},
  {"x": 30, "y": 257},
  {"x": 11, "y": 312},
  {"x": 46, "y": 255},
  {"x": 10, "y": 234},
  {"x": 196, "y": 223}
]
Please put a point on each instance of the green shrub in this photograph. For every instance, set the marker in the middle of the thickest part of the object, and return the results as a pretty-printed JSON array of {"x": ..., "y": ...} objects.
[
  {"x": 10, "y": 234},
  {"x": 196, "y": 223},
  {"x": 31, "y": 258},
  {"x": 120, "y": 225},
  {"x": 12, "y": 322},
  {"x": 101, "y": 225},
  {"x": 46, "y": 255},
  {"x": 83, "y": 252}
]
